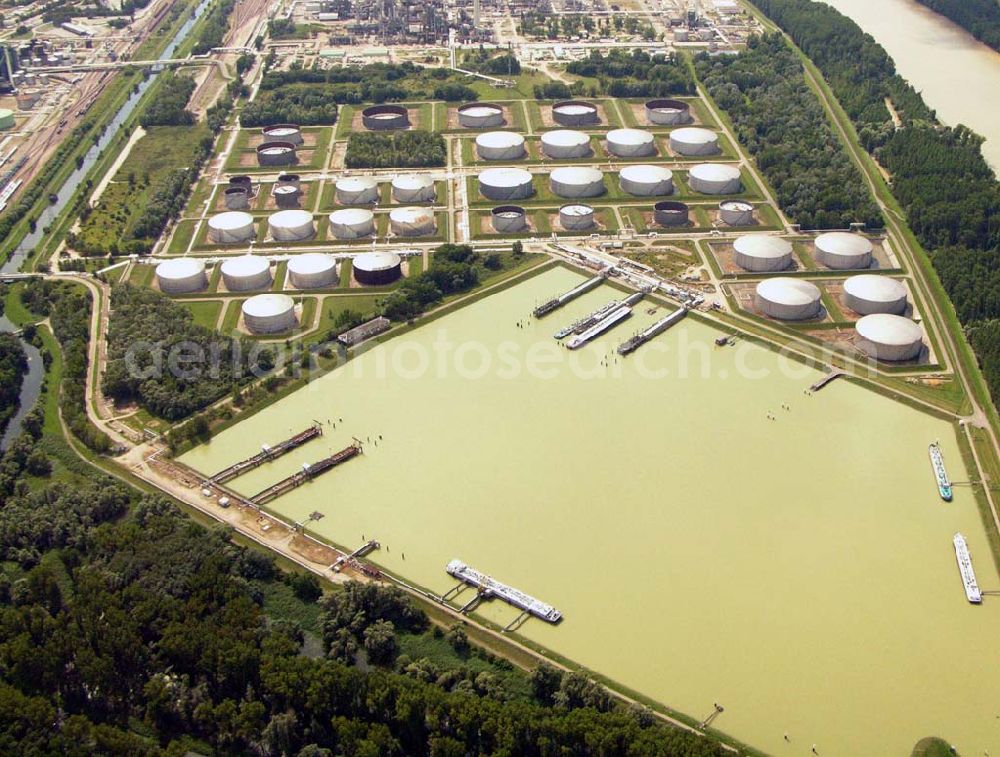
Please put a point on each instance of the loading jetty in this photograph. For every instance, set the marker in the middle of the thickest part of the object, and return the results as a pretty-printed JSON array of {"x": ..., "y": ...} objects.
[
  {"x": 557, "y": 302},
  {"x": 940, "y": 473},
  {"x": 488, "y": 588},
  {"x": 578, "y": 327},
  {"x": 827, "y": 379},
  {"x": 607, "y": 322},
  {"x": 972, "y": 592},
  {"x": 308, "y": 473},
  {"x": 266, "y": 454},
  {"x": 648, "y": 333}
]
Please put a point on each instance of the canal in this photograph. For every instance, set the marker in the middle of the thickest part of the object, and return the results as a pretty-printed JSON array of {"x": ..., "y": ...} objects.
[
  {"x": 31, "y": 386},
  {"x": 799, "y": 571},
  {"x": 958, "y": 76}
]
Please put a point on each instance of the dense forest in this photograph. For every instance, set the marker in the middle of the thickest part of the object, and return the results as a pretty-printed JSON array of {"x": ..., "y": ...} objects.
[
  {"x": 981, "y": 18},
  {"x": 404, "y": 149},
  {"x": 13, "y": 366},
  {"x": 938, "y": 174},
  {"x": 159, "y": 357},
  {"x": 309, "y": 96},
  {"x": 778, "y": 118},
  {"x": 487, "y": 62},
  {"x": 168, "y": 108},
  {"x": 635, "y": 74}
]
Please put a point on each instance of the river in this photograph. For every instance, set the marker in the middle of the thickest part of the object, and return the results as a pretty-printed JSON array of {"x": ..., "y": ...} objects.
[
  {"x": 31, "y": 386},
  {"x": 799, "y": 571},
  {"x": 958, "y": 76}
]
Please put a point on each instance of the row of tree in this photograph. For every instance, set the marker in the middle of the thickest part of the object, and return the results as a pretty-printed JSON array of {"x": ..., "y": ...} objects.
[
  {"x": 778, "y": 118},
  {"x": 404, "y": 149},
  {"x": 636, "y": 74},
  {"x": 214, "y": 27},
  {"x": 939, "y": 176},
  {"x": 169, "y": 107},
  {"x": 981, "y": 18},
  {"x": 13, "y": 367}
]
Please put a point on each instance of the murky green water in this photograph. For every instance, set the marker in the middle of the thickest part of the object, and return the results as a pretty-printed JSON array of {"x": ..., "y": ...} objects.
[{"x": 798, "y": 571}]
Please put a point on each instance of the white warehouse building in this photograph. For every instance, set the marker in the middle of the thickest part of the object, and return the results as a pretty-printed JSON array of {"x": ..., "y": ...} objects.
[
  {"x": 760, "y": 253},
  {"x": 269, "y": 313},
  {"x": 788, "y": 299},
  {"x": 867, "y": 294},
  {"x": 884, "y": 336},
  {"x": 577, "y": 181}
]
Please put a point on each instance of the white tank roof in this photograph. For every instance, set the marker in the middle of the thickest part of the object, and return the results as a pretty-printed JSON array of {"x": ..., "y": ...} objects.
[
  {"x": 290, "y": 219},
  {"x": 286, "y": 189},
  {"x": 412, "y": 215},
  {"x": 565, "y": 138},
  {"x": 180, "y": 268},
  {"x": 889, "y": 330},
  {"x": 788, "y": 291},
  {"x": 482, "y": 110},
  {"x": 736, "y": 205},
  {"x": 715, "y": 172},
  {"x": 412, "y": 182},
  {"x": 499, "y": 140},
  {"x": 245, "y": 266},
  {"x": 577, "y": 209},
  {"x": 575, "y": 109},
  {"x": 351, "y": 216},
  {"x": 645, "y": 174},
  {"x": 376, "y": 261},
  {"x": 311, "y": 262},
  {"x": 230, "y": 220},
  {"x": 694, "y": 135},
  {"x": 874, "y": 288},
  {"x": 629, "y": 136},
  {"x": 762, "y": 246},
  {"x": 355, "y": 183},
  {"x": 576, "y": 175},
  {"x": 504, "y": 177},
  {"x": 281, "y": 131},
  {"x": 843, "y": 243},
  {"x": 268, "y": 305}
]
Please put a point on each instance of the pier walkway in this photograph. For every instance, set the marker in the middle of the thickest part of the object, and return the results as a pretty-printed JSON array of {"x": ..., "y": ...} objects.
[
  {"x": 557, "y": 302},
  {"x": 831, "y": 376},
  {"x": 307, "y": 473},
  {"x": 267, "y": 453},
  {"x": 631, "y": 345}
]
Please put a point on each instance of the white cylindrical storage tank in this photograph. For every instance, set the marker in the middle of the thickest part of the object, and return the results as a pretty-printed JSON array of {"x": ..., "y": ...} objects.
[
  {"x": 500, "y": 145},
  {"x": 889, "y": 337},
  {"x": 314, "y": 270},
  {"x": 508, "y": 219},
  {"x": 181, "y": 275},
  {"x": 412, "y": 222},
  {"x": 246, "y": 272},
  {"x": 505, "y": 184},
  {"x": 576, "y": 217},
  {"x": 646, "y": 181},
  {"x": 759, "y": 253},
  {"x": 692, "y": 140},
  {"x": 788, "y": 299},
  {"x": 231, "y": 227},
  {"x": 867, "y": 294},
  {"x": 574, "y": 113},
  {"x": 714, "y": 179},
  {"x": 269, "y": 313},
  {"x": 352, "y": 223},
  {"x": 413, "y": 188},
  {"x": 357, "y": 190},
  {"x": 736, "y": 213},
  {"x": 283, "y": 133},
  {"x": 842, "y": 250},
  {"x": 681, "y": 35},
  {"x": 377, "y": 268},
  {"x": 577, "y": 181},
  {"x": 630, "y": 143},
  {"x": 668, "y": 112},
  {"x": 480, "y": 116},
  {"x": 291, "y": 225},
  {"x": 565, "y": 144}
]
